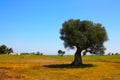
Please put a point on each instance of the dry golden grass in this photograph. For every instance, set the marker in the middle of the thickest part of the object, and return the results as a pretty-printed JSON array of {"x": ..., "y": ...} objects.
[{"x": 29, "y": 67}]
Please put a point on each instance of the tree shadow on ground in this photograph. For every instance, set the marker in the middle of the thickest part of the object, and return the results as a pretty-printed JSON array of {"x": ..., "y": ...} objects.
[{"x": 69, "y": 66}]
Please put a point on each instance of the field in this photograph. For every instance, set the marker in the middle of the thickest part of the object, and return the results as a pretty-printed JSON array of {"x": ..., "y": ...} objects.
[{"x": 34, "y": 67}]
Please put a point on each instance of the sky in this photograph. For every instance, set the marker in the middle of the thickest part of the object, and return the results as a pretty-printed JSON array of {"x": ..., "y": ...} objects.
[{"x": 34, "y": 25}]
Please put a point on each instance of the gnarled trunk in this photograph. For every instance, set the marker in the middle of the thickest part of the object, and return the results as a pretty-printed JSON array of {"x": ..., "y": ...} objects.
[{"x": 78, "y": 59}]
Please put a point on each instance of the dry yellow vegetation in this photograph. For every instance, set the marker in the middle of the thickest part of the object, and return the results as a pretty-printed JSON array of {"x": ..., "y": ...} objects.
[{"x": 33, "y": 67}]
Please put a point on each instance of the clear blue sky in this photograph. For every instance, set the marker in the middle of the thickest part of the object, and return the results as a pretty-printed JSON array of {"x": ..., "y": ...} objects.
[{"x": 33, "y": 25}]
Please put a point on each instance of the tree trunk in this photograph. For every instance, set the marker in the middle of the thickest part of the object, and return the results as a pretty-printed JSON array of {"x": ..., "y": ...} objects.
[{"x": 78, "y": 59}]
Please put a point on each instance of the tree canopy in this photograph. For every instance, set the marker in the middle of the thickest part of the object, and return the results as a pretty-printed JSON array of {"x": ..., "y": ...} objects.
[
  {"x": 83, "y": 35},
  {"x": 61, "y": 53},
  {"x": 5, "y": 50}
]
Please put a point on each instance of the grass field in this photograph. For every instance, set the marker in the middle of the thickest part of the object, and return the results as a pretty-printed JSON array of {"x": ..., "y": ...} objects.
[{"x": 33, "y": 67}]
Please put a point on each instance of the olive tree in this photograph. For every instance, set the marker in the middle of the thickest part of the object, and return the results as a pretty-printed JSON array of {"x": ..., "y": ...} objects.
[{"x": 83, "y": 35}]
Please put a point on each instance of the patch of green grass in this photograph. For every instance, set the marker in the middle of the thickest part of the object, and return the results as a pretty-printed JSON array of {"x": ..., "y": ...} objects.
[{"x": 103, "y": 58}]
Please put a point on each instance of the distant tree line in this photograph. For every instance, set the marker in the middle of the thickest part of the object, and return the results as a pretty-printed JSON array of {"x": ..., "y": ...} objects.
[
  {"x": 33, "y": 53},
  {"x": 113, "y": 53},
  {"x": 5, "y": 50}
]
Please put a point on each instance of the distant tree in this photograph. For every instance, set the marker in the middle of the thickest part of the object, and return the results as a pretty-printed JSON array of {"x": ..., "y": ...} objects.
[
  {"x": 61, "y": 53},
  {"x": 83, "y": 35},
  {"x": 10, "y": 50},
  {"x": 116, "y": 53},
  {"x": 3, "y": 49},
  {"x": 112, "y": 53},
  {"x": 39, "y": 53},
  {"x": 33, "y": 53},
  {"x": 109, "y": 53}
]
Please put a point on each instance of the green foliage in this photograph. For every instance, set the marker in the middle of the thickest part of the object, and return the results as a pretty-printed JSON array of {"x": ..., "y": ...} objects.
[
  {"x": 109, "y": 53},
  {"x": 33, "y": 53},
  {"x": 85, "y": 35},
  {"x": 38, "y": 53},
  {"x": 24, "y": 53},
  {"x": 116, "y": 53},
  {"x": 10, "y": 50},
  {"x": 4, "y": 49},
  {"x": 61, "y": 53},
  {"x": 112, "y": 53}
]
